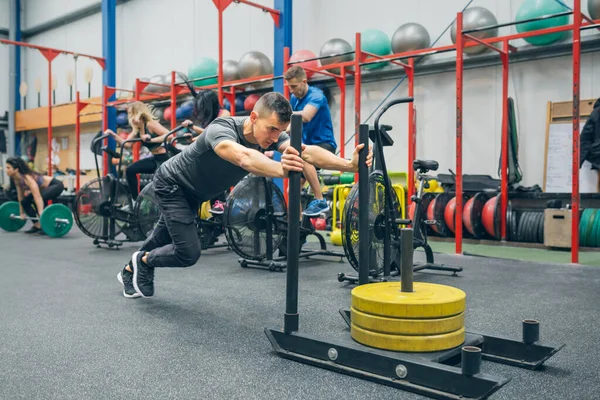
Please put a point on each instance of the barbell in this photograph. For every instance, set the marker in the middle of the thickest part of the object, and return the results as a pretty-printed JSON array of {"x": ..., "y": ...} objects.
[{"x": 56, "y": 220}]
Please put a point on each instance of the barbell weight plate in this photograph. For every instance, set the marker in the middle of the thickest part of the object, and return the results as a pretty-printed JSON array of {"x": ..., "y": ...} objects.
[
  {"x": 541, "y": 228},
  {"x": 595, "y": 240},
  {"x": 48, "y": 220},
  {"x": 407, "y": 326},
  {"x": 408, "y": 343},
  {"x": 6, "y": 222},
  {"x": 521, "y": 236},
  {"x": 427, "y": 300},
  {"x": 588, "y": 227},
  {"x": 582, "y": 225}
]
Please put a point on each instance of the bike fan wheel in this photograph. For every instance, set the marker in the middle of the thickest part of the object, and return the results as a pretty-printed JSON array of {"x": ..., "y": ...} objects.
[
  {"x": 245, "y": 217},
  {"x": 147, "y": 211},
  {"x": 92, "y": 207},
  {"x": 350, "y": 234}
]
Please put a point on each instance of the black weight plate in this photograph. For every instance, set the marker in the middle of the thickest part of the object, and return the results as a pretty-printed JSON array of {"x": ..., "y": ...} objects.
[
  {"x": 531, "y": 228},
  {"x": 532, "y": 231},
  {"x": 439, "y": 207},
  {"x": 522, "y": 221},
  {"x": 540, "y": 225},
  {"x": 479, "y": 201},
  {"x": 535, "y": 237},
  {"x": 541, "y": 230},
  {"x": 514, "y": 226}
]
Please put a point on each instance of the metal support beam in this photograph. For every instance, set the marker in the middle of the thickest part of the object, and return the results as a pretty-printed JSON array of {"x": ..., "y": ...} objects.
[
  {"x": 13, "y": 93},
  {"x": 65, "y": 19},
  {"x": 109, "y": 46},
  {"x": 283, "y": 39}
]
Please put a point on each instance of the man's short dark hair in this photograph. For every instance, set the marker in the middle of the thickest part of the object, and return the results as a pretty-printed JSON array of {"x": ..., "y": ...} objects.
[
  {"x": 274, "y": 102},
  {"x": 295, "y": 71}
]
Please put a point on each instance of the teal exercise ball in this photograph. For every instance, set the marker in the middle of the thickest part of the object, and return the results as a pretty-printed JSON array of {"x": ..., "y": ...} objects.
[
  {"x": 376, "y": 42},
  {"x": 202, "y": 68},
  {"x": 537, "y": 8}
]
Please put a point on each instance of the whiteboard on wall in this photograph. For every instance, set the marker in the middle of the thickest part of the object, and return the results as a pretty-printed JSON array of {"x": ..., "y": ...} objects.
[
  {"x": 559, "y": 156},
  {"x": 86, "y": 157}
]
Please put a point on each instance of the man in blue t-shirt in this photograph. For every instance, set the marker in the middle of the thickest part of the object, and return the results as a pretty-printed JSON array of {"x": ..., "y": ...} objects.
[{"x": 317, "y": 128}]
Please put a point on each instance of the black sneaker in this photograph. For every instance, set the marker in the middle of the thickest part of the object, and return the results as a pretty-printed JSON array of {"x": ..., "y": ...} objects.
[
  {"x": 126, "y": 279},
  {"x": 143, "y": 275},
  {"x": 33, "y": 229}
]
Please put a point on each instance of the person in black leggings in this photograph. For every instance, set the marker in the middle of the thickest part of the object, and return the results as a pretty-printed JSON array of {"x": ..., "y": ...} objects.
[
  {"x": 32, "y": 189},
  {"x": 146, "y": 127}
]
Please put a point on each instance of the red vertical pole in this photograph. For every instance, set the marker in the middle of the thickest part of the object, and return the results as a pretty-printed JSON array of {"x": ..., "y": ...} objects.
[
  {"x": 575, "y": 161},
  {"x": 220, "y": 70},
  {"x": 342, "y": 85},
  {"x": 50, "y": 117},
  {"x": 77, "y": 139},
  {"x": 459, "y": 95},
  {"x": 105, "y": 126},
  {"x": 232, "y": 101},
  {"x": 410, "y": 73},
  {"x": 173, "y": 100},
  {"x": 357, "y": 90},
  {"x": 504, "y": 174}
]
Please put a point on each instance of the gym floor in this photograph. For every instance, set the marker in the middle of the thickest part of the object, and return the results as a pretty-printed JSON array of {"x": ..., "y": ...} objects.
[{"x": 67, "y": 331}]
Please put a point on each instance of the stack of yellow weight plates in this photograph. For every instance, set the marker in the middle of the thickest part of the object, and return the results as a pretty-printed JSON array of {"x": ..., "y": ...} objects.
[{"x": 430, "y": 318}]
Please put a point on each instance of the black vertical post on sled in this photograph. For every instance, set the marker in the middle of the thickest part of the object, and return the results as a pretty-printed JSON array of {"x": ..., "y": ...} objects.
[
  {"x": 293, "y": 239},
  {"x": 364, "y": 259}
]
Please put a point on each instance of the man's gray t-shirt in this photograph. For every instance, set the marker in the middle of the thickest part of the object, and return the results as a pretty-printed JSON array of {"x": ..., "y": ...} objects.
[{"x": 200, "y": 172}]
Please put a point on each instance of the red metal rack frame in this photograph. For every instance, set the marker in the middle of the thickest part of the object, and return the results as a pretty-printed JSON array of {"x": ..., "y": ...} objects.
[{"x": 50, "y": 54}]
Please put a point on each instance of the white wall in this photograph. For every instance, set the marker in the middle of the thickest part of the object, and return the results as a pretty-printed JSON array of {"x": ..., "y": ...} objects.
[
  {"x": 40, "y": 11},
  {"x": 155, "y": 37},
  {"x": 83, "y": 36}
]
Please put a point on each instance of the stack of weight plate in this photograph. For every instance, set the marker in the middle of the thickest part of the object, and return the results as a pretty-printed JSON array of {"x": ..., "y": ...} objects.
[
  {"x": 531, "y": 227},
  {"x": 589, "y": 228},
  {"x": 430, "y": 318}
]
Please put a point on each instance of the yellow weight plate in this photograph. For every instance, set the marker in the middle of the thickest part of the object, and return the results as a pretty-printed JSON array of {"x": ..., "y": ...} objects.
[
  {"x": 408, "y": 343},
  {"x": 427, "y": 300},
  {"x": 403, "y": 326}
]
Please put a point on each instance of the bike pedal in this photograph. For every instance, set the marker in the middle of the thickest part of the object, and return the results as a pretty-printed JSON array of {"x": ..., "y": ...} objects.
[{"x": 430, "y": 222}]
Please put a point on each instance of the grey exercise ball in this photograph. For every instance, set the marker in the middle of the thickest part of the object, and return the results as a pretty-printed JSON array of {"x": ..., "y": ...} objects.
[
  {"x": 230, "y": 71},
  {"x": 473, "y": 18},
  {"x": 180, "y": 77},
  {"x": 253, "y": 64},
  {"x": 335, "y": 46},
  {"x": 594, "y": 8},
  {"x": 410, "y": 36},
  {"x": 155, "y": 88},
  {"x": 141, "y": 80}
]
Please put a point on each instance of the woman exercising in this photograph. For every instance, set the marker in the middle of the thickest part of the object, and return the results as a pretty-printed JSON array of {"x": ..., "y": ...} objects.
[
  {"x": 145, "y": 126},
  {"x": 206, "y": 110},
  {"x": 32, "y": 188}
]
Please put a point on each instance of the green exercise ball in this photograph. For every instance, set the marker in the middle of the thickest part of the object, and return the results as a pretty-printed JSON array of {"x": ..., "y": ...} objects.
[
  {"x": 537, "y": 8},
  {"x": 376, "y": 42},
  {"x": 202, "y": 68}
]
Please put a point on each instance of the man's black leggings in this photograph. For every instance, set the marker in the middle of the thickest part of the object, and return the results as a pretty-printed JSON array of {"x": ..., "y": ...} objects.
[
  {"x": 144, "y": 166},
  {"x": 54, "y": 189},
  {"x": 174, "y": 241}
]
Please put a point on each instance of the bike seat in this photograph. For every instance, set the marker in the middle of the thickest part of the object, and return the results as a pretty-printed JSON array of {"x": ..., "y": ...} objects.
[{"x": 425, "y": 165}]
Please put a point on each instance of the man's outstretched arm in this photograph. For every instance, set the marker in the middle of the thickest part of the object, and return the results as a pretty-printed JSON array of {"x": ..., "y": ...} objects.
[
  {"x": 257, "y": 163},
  {"x": 324, "y": 159}
]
